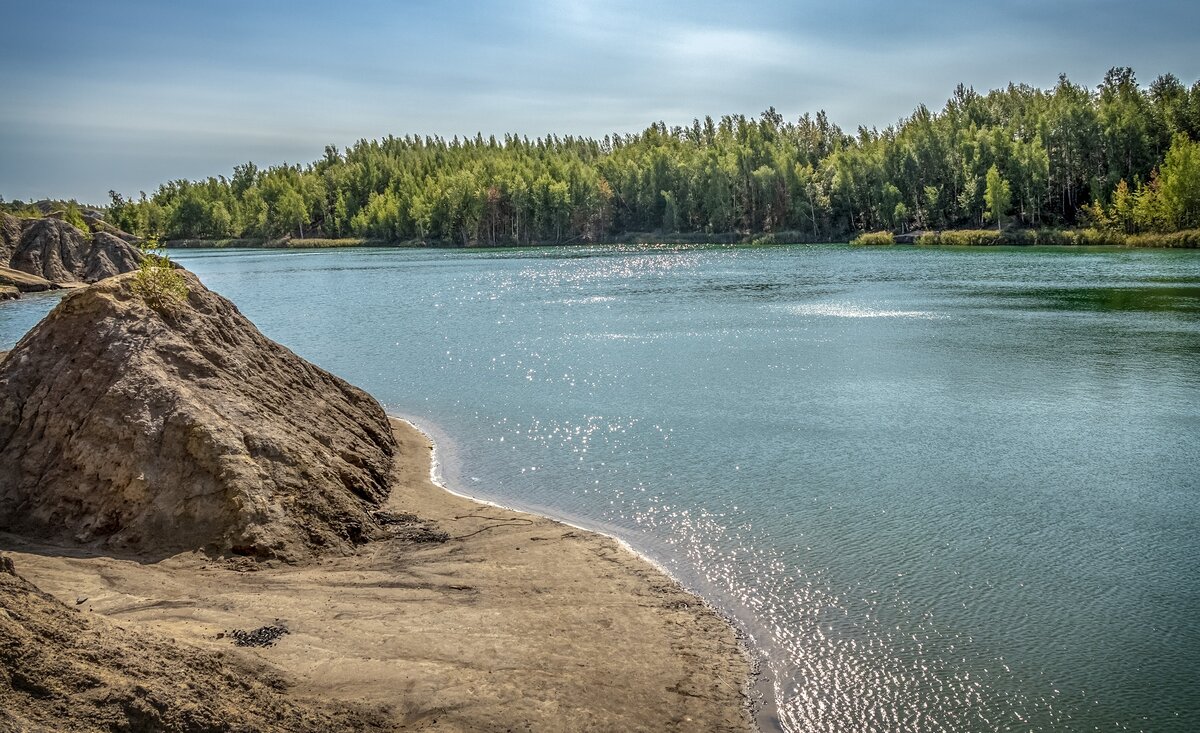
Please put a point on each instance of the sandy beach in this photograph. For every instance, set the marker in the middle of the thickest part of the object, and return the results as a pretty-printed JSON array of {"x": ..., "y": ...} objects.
[{"x": 514, "y": 622}]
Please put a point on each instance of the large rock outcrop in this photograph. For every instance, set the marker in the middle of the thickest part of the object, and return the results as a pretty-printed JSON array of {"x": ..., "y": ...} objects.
[
  {"x": 10, "y": 236},
  {"x": 61, "y": 670},
  {"x": 182, "y": 428},
  {"x": 53, "y": 249},
  {"x": 24, "y": 282}
]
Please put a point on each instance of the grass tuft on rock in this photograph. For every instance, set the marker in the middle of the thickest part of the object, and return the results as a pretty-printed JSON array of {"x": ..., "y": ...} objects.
[{"x": 157, "y": 279}]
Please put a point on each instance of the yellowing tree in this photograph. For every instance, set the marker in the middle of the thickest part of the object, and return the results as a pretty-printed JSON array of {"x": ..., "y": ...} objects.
[
  {"x": 1179, "y": 184},
  {"x": 998, "y": 196}
]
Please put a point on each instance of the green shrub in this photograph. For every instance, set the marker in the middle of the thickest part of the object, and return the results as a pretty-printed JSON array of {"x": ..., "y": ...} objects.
[
  {"x": 20, "y": 209},
  {"x": 1058, "y": 237},
  {"x": 1090, "y": 237},
  {"x": 963, "y": 238},
  {"x": 73, "y": 216},
  {"x": 157, "y": 279},
  {"x": 1188, "y": 238},
  {"x": 315, "y": 243},
  {"x": 874, "y": 238}
]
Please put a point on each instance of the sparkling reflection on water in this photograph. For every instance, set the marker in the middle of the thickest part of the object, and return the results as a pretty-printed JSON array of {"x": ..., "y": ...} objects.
[{"x": 950, "y": 490}]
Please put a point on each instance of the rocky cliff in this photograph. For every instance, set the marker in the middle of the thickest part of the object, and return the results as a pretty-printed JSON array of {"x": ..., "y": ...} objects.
[
  {"x": 55, "y": 250},
  {"x": 14, "y": 282},
  {"x": 182, "y": 428},
  {"x": 10, "y": 236}
]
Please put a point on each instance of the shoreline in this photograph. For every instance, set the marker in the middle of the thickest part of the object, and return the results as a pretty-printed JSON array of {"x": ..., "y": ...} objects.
[
  {"x": 763, "y": 706},
  {"x": 1065, "y": 238},
  {"x": 514, "y": 619}
]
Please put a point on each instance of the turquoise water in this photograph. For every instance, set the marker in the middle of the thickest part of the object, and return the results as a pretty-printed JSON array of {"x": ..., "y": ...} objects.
[
  {"x": 18, "y": 316},
  {"x": 943, "y": 490}
]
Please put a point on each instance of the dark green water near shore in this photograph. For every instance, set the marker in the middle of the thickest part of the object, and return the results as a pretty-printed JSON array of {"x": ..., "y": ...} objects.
[{"x": 944, "y": 490}]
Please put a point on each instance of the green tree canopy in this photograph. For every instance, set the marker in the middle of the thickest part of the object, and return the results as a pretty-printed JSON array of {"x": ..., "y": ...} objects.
[
  {"x": 1041, "y": 156},
  {"x": 998, "y": 196}
]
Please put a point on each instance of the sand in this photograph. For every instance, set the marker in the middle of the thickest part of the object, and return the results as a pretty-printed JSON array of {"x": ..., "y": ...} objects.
[{"x": 515, "y": 622}]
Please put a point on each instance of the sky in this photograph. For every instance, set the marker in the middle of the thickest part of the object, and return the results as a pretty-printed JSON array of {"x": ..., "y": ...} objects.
[{"x": 127, "y": 95}]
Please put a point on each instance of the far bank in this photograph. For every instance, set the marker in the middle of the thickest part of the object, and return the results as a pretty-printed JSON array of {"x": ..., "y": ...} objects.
[{"x": 1187, "y": 239}]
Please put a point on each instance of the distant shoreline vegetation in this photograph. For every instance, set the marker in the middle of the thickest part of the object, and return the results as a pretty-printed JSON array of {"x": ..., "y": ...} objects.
[
  {"x": 1189, "y": 238},
  {"x": 1069, "y": 164}
]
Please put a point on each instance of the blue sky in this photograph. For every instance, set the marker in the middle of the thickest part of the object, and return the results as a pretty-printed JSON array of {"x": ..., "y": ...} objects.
[{"x": 126, "y": 95}]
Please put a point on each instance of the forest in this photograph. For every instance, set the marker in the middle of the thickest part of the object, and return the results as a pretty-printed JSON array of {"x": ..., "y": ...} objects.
[{"x": 1118, "y": 158}]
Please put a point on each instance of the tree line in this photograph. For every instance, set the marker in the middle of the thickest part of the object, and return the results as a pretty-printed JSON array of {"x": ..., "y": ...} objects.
[{"x": 1120, "y": 156}]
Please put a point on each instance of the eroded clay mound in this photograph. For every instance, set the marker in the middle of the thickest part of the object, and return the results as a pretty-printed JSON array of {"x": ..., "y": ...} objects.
[
  {"x": 55, "y": 250},
  {"x": 184, "y": 428},
  {"x": 61, "y": 670},
  {"x": 10, "y": 236}
]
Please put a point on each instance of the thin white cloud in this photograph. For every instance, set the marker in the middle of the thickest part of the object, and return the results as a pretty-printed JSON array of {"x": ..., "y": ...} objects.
[{"x": 713, "y": 45}]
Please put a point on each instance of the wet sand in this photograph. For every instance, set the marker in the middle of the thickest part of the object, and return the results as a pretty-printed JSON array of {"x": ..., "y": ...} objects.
[{"x": 514, "y": 622}]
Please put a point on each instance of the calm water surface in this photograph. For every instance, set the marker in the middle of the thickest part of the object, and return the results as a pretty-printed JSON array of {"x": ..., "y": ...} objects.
[{"x": 943, "y": 490}]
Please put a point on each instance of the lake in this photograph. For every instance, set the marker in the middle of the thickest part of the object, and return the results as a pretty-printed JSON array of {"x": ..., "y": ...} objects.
[{"x": 940, "y": 489}]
